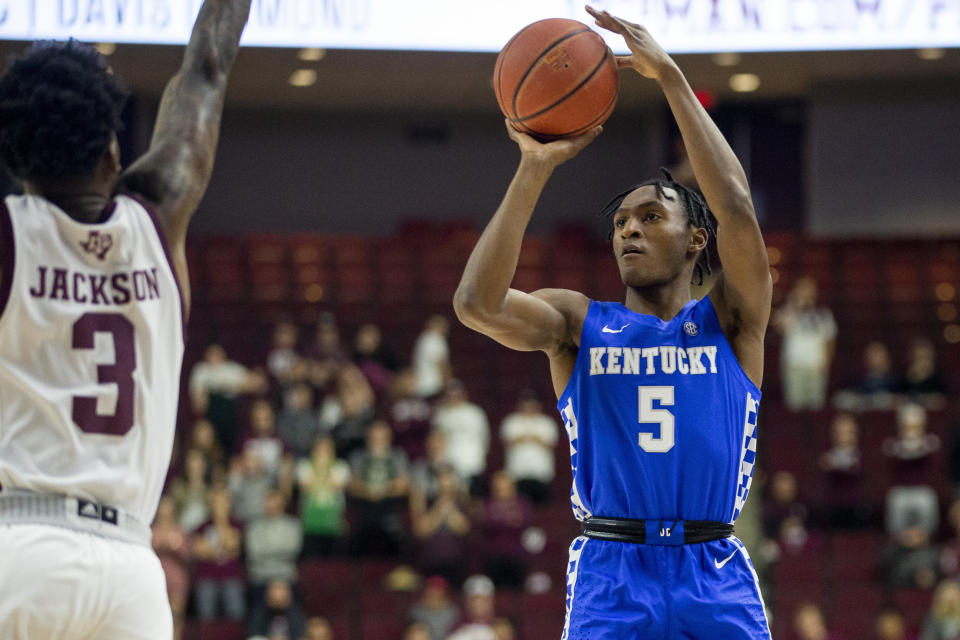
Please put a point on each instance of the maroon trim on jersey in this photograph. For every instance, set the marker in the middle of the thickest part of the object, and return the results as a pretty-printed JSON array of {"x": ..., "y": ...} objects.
[
  {"x": 166, "y": 252},
  {"x": 7, "y": 255}
]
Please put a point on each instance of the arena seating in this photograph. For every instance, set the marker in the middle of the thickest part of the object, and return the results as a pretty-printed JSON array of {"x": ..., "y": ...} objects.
[{"x": 890, "y": 290}]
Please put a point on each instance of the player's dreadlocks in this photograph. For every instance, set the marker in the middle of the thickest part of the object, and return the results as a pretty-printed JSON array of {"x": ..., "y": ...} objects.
[
  {"x": 698, "y": 214},
  {"x": 59, "y": 105}
]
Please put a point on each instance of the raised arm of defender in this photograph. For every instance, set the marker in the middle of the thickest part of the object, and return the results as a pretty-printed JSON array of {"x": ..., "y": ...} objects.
[
  {"x": 484, "y": 300},
  {"x": 743, "y": 292},
  {"x": 174, "y": 172}
]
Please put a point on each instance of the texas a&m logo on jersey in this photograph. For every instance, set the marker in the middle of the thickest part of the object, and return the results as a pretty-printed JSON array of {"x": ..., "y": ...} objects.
[{"x": 98, "y": 244}]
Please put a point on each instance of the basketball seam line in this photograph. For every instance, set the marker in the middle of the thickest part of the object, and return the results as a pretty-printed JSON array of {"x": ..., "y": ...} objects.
[
  {"x": 569, "y": 93},
  {"x": 606, "y": 112},
  {"x": 526, "y": 73}
]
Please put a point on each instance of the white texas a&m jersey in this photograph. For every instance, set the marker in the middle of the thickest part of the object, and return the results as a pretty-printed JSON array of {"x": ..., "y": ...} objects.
[{"x": 91, "y": 345}]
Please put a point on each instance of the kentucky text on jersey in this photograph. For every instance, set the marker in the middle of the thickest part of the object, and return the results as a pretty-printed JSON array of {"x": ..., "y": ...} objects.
[
  {"x": 76, "y": 286},
  {"x": 666, "y": 359}
]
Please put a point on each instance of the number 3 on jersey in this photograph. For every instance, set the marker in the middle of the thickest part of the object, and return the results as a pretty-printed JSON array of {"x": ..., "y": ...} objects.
[
  {"x": 649, "y": 414},
  {"x": 120, "y": 373}
]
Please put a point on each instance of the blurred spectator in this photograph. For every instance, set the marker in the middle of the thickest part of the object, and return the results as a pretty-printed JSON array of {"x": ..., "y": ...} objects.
[
  {"x": 373, "y": 357},
  {"x": 409, "y": 414},
  {"x": 424, "y": 472},
  {"x": 318, "y": 628},
  {"x": 878, "y": 375},
  {"x": 249, "y": 483},
  {"x": 912, "y": 512},
  {"x": 441, "y": 527},
  {"x": 326, "y": 355},
  {"x": 435, "y": 610},
  {"x": 431, "y": 356},
  {"x": 889, "y": 624},
  {"x": 417, "y": 631},
  {"x": 877, "y": 386},
  {"x": 283, "y": 356},
  {"x": 190, "y": 492},
  {"x": 505, "y": 517},
  {"x": 468, "y": 435},
  {"x": 530, "y": 437},
  {"x": 298, "y": 425},
  {"x": 950, "y": 553},
  {"x": 323, "y": 478},
  {"x": 279, "y": 616},
  {"x": 808, "y": 333},
  {"x": 172, "y": 546},
  {"x": 368, "y": 344},
  {"x": 379, "y": 485},
  {"x": 922, "y": 381},
  {"x": 218, "y": 572},
  {"x": 264, "y": 443},
  {"x": 203, "y": 438},
  {"x": 781, "y": 502},
  {"x": 348, "y": 411},
  {"x": 215, "y": 383},
  {"x": 273, "y": 543},
  {"x": 943, "y": 621},
  {"x": 911, "y": 452},
  {"x": 503, "y": 629},
  {"x": 809, "y": 624},
  {"x": 912, "y": 460},
  {"x": 910, "y": 561},
  {"x": 845, "y": 500},
  {"x": 479, "y": 606}
]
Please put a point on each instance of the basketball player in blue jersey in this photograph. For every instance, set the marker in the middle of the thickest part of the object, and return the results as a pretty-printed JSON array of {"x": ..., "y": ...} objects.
[
  {"x": 659, "y": 393},
  {"x": 93, "y": 301}
]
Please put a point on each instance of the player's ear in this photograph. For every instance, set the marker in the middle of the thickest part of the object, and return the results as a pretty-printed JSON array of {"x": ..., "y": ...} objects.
[
  {"x": 698, "y": 239},
  {"x": 111, "y": 157}
]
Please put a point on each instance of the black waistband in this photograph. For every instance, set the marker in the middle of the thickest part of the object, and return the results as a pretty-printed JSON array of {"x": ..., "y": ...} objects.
[{"x": 659, "y": 532}]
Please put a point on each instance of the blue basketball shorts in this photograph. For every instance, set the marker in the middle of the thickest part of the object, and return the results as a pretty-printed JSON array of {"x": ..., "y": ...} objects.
[{"x": 626, "y": 591}]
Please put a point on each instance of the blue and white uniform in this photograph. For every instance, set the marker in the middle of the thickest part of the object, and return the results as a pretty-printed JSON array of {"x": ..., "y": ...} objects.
[{"x": 662, "y": 426}]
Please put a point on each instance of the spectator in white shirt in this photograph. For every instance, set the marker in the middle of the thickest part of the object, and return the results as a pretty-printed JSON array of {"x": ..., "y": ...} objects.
[
  {"x": 215, "y": 383},
  {"x": 529, "y": 437},
  {"x": 468, "y": 435},
  {"x": 431, "y": 356},
  {"x": 808, "y": 333}
]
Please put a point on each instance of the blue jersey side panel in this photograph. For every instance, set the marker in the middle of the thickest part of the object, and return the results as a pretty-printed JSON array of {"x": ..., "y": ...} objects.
[{"x": 661, "y": 418}]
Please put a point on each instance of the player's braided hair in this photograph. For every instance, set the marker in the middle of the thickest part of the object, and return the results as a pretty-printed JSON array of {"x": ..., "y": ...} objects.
[
  {"x": 698, "y": 213},
  {"x": 59, "y": 105}
]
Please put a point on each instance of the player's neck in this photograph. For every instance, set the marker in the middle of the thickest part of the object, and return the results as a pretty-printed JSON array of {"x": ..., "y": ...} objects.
[
  {"x": 80, "y": 198},
  {"x": 664, "y": 301}
]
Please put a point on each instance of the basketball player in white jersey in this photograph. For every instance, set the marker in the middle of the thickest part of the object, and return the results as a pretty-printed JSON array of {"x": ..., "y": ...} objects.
[{"x": 93, "y": 300}]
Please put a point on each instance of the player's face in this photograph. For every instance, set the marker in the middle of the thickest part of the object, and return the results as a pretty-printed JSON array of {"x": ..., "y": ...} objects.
[{"x": 652, "y": 237}]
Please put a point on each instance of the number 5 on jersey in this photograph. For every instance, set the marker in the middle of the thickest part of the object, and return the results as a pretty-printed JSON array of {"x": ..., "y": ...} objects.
[{"x": 649, "y": 414}]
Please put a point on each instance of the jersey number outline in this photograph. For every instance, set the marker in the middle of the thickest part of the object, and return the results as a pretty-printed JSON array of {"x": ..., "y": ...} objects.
[
  {"x": 120, "y": 373},
  {"x": 649, "y": 414}
]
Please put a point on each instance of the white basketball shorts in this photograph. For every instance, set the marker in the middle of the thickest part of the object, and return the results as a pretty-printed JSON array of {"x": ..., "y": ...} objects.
[{"x": 58, "y": 583}]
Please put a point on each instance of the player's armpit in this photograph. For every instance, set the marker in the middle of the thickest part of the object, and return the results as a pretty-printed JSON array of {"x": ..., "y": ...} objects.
[
  {"x": 539, "y": 321},
  {"x": 744, "y": 290}
]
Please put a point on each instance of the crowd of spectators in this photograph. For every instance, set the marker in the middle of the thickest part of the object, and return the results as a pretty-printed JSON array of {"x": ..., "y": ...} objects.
[
  {"x": 336, "y": 449},
  {"x": 329, "y": 450},
  {"x": 902, "y": 486}
]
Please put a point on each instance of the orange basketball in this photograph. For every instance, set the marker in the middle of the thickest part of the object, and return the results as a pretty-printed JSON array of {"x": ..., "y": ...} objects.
[{"x": 556, "y": 78}]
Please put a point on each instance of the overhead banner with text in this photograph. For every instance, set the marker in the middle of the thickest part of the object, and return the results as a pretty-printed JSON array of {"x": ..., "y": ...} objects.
[{"x": 682, "y": 26}]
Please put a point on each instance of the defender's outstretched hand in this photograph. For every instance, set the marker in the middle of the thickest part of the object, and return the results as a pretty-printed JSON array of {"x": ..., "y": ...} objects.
[
  {"x": 551, "y": 153},
  {"x": 647, "y": 57}
]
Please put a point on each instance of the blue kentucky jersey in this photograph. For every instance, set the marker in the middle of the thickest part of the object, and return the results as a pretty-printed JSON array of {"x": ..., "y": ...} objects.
[{"x": 661, "y": 418}]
